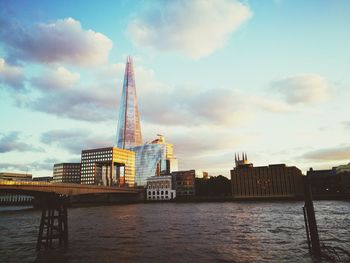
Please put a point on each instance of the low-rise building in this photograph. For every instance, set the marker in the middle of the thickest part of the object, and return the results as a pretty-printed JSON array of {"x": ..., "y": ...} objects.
[
  {"x": 66, "y": 173},
  {"x": 160, "y": 188},
  {"x": 184, "y": 183},
  {"x": 324, "y": 182}
]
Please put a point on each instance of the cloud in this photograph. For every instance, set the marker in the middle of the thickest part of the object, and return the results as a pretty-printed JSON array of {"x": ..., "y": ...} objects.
[
  {"x": 74, "y": 141},
  {"x": 63, "y": 40},
  {"x": 196, "y": 28},
  {"x": 329, "y": 154},
  {"x": 11, "y": 76},
  {"x": 44, "y": 165},
  {"x": 59, "y": 78},
  {"x": 303, "y": 89},
  {"x": 11, "y": 142},
  {"x": 61, "y": 94}
]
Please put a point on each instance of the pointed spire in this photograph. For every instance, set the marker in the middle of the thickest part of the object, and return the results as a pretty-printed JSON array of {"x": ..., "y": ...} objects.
[{"x": 129, "y": 129}]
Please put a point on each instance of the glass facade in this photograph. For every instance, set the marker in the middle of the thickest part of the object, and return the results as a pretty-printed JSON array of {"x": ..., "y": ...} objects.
[
  {"x": 129, "y": 129},
  {"x": 108, "y": 166},
  {"x": 154, "y": 159}
]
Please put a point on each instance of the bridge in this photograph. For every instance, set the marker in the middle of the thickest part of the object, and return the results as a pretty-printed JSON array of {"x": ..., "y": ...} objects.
[
  {"x": 40, "y": 188},
  {"x": 53, "y": 199}
]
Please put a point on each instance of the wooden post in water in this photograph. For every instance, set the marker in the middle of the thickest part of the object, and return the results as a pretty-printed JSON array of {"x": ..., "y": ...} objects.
[
  {"x": 54, "y": 210},
  {"x": 310, "y": 220}
]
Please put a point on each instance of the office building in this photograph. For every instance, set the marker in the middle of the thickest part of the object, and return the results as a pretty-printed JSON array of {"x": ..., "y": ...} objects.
[
  {"x": 274, "y": 180},
  {"x": 129, "y": 129},
  {"x": 154, "y": 159},
  {"x": 160, "y": 188},
  {"x": 66, "y": 173},
  {"x": 184, "y": 183},
  {"x": 108, "y": 166}
]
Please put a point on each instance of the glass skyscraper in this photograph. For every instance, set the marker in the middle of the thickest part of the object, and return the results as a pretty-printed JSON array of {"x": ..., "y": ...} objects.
[
  {"x": 129, "y": 129},
  {"x": 152, "y": 159}
]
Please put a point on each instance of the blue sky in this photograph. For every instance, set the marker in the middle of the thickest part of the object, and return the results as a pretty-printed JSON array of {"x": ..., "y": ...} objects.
[{"x": 216, "y": 77}]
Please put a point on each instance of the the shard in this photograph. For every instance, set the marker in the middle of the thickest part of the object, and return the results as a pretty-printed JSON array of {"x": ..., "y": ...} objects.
[{"x": 129, "y": 129}]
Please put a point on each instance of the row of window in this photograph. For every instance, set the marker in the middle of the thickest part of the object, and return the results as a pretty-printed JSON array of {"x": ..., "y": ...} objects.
[
  {"x": 158, "y": 192},
  {"x": 157, "y": 186}
]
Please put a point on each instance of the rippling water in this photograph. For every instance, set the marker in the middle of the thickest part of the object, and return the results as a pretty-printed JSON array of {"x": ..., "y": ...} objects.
[{"x": 181, "y": 232}]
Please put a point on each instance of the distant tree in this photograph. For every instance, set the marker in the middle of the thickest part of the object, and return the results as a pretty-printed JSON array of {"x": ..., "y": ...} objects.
[{"x": 214, "y": 186}]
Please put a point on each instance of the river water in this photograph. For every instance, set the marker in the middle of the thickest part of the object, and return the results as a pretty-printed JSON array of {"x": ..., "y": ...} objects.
[{"x": 181, "y": 232}]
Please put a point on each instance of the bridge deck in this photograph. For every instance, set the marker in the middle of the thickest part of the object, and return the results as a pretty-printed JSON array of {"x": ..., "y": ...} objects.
[{"x": 63, "y": 189}]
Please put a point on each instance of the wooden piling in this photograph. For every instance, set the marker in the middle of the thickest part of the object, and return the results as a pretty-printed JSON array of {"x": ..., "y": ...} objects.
[
  {"x": 53, "y": 222},
  {"x": 310, "y": 221}
]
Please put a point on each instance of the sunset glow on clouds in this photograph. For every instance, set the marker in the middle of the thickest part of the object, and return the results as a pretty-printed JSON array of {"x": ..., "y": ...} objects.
[{"x": 215, "y": 77}]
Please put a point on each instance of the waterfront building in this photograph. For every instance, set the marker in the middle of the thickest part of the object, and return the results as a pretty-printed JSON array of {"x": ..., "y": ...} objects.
[
  {"x": 160, "y": 188},
  {"x": 66, "y": 173},
  {"x": 323, "y": 182},
  {"x": 13, "y": 199},
  {"x": 154, "y": 159},
  {"x": 129, "y": 129},
  {"x": 274, "y": 180},
  {"x": 109, "y": 166},
  {"x": 184, "y": 183}
]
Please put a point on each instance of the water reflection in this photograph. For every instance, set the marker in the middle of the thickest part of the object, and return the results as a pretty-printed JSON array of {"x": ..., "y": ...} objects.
[{"x": 170, "y": 232}]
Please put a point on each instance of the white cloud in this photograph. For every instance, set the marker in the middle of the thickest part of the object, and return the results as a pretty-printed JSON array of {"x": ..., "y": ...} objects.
[
  {"x": 195, "y": 28},
  {"x": 61, "y": 41},
  {"x": 11, "y": 75},
  {"x": 59, "y": 78},
  {"x": 304, "y": 89}
]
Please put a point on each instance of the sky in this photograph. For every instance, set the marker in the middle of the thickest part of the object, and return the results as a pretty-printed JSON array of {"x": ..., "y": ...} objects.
[{"x": 215, "y": 77}]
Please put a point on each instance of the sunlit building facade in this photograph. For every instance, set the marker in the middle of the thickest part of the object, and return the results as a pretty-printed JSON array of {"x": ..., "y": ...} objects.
[
  {"x": 129, "y": 129},
  {"x": 154, "y": 159},
  {"x": 66, "y": 173},
  {"x": 184, "y": 183},
  {"x": 160, "y": 188},
  {"x": 108, "y": 166}
]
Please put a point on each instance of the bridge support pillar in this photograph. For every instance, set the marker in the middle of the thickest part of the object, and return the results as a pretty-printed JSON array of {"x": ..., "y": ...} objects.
[{"x": 53, "y": 223}]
